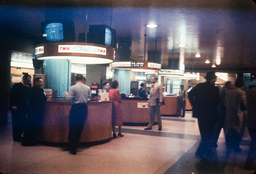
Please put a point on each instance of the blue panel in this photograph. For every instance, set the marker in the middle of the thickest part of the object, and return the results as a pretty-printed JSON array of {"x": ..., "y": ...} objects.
[
  {"x": 124, "y": 79},
  {"x": 54, "y": 31},
  {"x": 108, "y": 36},
  {"x": 58, "y": 75},
  {"x": 174, "y": 85}
]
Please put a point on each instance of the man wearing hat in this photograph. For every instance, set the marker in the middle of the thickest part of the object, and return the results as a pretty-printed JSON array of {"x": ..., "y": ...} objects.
[{"x": 204, "y": 99}]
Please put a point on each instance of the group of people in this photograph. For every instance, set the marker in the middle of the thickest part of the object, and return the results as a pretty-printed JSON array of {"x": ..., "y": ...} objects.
[
  {"x": 79, "y": 95},
  {"x": 214, "y": 109},
  {"x": 27, "y": 107},
  {"x": 231, "y": 108}
]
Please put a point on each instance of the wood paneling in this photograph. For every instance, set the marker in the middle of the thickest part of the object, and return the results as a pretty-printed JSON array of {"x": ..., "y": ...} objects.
[
  {"x": 56, "y": 122},
  {"x": 170, "y": 107},
  {"x": 134, "y": 115}
]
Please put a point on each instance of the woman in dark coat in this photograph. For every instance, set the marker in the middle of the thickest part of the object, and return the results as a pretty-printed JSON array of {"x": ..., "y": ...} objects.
[{"x": 117, "y": 113}]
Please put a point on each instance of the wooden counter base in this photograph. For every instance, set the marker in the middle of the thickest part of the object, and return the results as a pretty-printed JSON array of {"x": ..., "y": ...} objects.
[
  {"x": 170, "y": 107},
  {"x": 134, "y": 116},
  {"x": 97, "y": 127}
]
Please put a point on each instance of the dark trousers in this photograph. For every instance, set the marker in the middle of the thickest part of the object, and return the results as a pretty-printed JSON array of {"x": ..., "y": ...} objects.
[
  {"x": 252, "y": 151},
  {"x": 206, "y": 127},
  {"x": 77, "y": 118},
  {"x": 219, "y": 124},
  {"x": 18, "y": 123},
  {"x": 181, "y": 105},
  {"x": 233, "y": 139},
  {"x": 33, "y": 125}
]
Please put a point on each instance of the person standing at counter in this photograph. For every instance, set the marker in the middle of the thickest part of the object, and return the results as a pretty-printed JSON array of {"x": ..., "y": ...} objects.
[
  {"x": 106, "y": 86},
  {"x": 117, "y": 113},
  {"x": 142, "y": 92},
  {"x": 78, "y": 95},
  {"x": 18, "y": 101},
  {"x": 182, "y": 101},
  {"x": 155, "y": 101},
  {"x": 204, "y": 99},
  {"x": 36, "y": 103}
]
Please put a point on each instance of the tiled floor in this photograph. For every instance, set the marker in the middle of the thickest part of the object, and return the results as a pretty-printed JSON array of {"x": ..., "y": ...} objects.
[{"x": 168, "y": 151}]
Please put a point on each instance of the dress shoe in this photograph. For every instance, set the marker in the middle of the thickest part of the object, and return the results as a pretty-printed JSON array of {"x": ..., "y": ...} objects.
[
  {"x": 114, "y": 135},
  {"x": 248, "y": 166},
  {"x": 237, "y": 150},
  {"x": 17, "y": 139},
  {"x": 28, "y": 144},
  {"x": 73, "y": 152},
  {"x": 159, "y": 129},
  {"x": 120, "y": 135},
  {"x": 148, "y": 128},
  {"x": 66, "y": 149}
]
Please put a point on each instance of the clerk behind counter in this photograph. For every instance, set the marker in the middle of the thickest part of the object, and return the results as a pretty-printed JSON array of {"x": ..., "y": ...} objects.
[{"x": 142, "y": 92}]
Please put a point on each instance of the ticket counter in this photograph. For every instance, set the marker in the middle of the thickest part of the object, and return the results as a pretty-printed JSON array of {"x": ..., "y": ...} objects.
[
  {"x": 171, "y": 105},
  {"x": 135, "y": 111},
  {"x": 97, "y": 127}
]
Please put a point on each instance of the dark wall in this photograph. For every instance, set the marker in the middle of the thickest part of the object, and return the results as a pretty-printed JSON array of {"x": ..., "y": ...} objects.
[{"x": 16, "y": 41}]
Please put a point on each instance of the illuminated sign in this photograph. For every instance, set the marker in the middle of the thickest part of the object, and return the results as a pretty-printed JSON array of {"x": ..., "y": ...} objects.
[
  {"x": 82, "y": 49},
  {"x": 121, "y": 64},
  {"x": 39, "y": 50},
  {"x": 154, "y": 65},
  {"x": 171, "y": 72},
  {"x": 137, "y": 64}
]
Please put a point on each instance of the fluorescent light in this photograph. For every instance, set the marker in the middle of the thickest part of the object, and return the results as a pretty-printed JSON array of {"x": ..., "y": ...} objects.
[
  {"x": 80, "y": 59},
  {"x": 182, "y": 45},
  {"x": 197, "y": 55},
  {"x": 207, "y": 61},
  {"x": 151, "y": 25}
]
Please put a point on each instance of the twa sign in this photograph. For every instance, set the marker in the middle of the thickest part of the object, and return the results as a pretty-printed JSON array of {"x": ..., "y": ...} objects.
[
  {"x": 81, "y": 49},
  {"x": 154, "y": 65},
  {"x": 39, "y": 50}
]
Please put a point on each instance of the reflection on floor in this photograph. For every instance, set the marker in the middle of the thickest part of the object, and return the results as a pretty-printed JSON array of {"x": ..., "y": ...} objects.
[{"x": 168, "y": 151}]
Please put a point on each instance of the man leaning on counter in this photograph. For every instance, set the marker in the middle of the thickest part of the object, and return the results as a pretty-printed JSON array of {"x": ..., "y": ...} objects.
[{"x": 78, "y": 95}]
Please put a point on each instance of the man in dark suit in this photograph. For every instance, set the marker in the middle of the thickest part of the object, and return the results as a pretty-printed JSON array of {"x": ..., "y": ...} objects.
[
  {"x": 142, "y": 92},
  {"x": 182, "y": 101},
  {"x": 204, "y": 99},
  {"x": 36, "y": 102},
  {"x": 18, "y": 102}
]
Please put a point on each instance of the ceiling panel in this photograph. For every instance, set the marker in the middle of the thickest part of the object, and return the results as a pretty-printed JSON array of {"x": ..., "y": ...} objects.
[{"x": 222, "y": 31}]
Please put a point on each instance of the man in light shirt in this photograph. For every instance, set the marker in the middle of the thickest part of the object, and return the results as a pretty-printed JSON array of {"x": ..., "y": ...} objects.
[{"x": 78, "y": 95}]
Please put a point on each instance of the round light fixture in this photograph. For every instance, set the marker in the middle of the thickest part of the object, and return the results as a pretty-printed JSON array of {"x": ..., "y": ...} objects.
[
  {"x": 207, "y": 61},
  {"x": 151, "y": 25}
]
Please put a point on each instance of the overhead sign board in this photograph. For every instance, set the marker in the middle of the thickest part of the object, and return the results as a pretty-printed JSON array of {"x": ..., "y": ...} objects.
[
  {"x": 39, "y": 50},
  {"x": 121, "y": 64},
  {"x": 171, "y": 72},
  {"x": 82, "y": 49},
  {"x": 154, "y": 65},
  {"x": 137, "y": 64}
]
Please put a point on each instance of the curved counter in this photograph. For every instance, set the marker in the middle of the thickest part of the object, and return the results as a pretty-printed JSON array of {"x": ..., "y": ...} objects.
[
  {"x": 135, "y": 112},
  {"x": 170, "y": 107},
  {"x": 97, "y": 127}
]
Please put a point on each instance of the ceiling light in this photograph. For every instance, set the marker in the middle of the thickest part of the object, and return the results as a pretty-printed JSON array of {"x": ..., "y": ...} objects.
[
  {"x": 182, "y": 45},
  {"x": 151, "y": 25},
  {"x": 213, "y": 66},
  {"x": 197, "y": 55},
  {"x": 207, "y": 61}
]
